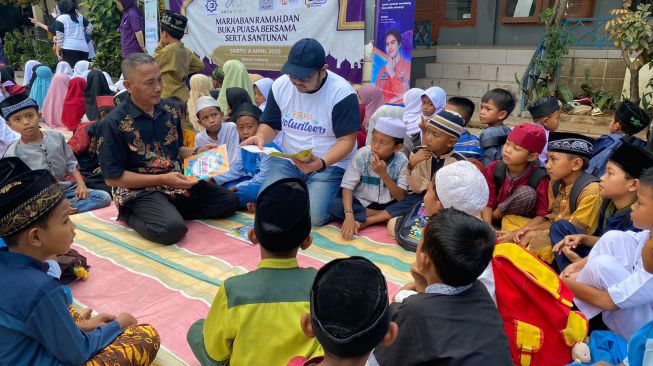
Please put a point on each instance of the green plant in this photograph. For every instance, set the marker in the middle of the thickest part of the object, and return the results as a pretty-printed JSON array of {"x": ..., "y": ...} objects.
[
  {"x": 23, "y": 46},
  {"x": 556, "y": 44},
  {"x": 105, "y": 18},
  {"x": 647, "y": 97},
  {"x": 633, "y": 35},
  {"x": 565, "y": 94},
  {"x": 601, "y": 98},
  {"x": 20, "y": 3}
]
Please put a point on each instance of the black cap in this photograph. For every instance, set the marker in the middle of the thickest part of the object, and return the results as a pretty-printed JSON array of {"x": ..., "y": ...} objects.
[
  {"x": 16, "y": 103},
  {"x": 543, "y": 107},
  {"x": 631, "y": 118},
  {"x": 632, "y": 159},
  {"x": 571, "y": 143},
  {"x": 26, "y": 197},
  {"x": 10, "y": 168},
  {"x": 283, "y": 219},
  {"x": 306, "y": 56},
  {"x": 248, "y": 109},
  {"x": 174, "y": 24},
  {"x": 349, "y": 307}
]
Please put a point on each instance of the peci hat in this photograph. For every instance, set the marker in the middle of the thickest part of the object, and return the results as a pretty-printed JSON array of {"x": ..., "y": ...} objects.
[
  {"x": 448, "y": 122},
  {"x": 16, "y": 103},
  {"x": 349, "y": 307},
  {"x": 218, "y": 74},
  {"x": 529, "y": 136},
  {"x": 544, "y": 107},
  {"x": 11, "y": 167},
  {"x": 306, "y": 56},
  {"x": 632, "y": 159},
  {"x": 392, "y": 127},
  {"x": 283, "y": 215},
  {"x": 571, "y": 143},
  {"x": 174, "y": 24},
  {"x": 631, "y": 118},
  {"x": 204, "y": 102},
  {"x": 247, "y": 109},
  {"x": 462, "y": 186},
  {"x": 25, "y": 197}
]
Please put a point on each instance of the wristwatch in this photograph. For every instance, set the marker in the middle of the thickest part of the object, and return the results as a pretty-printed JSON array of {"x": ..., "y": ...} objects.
[
  {"x": 348, "y": 211},
  {"x": 324, "y": 166}
]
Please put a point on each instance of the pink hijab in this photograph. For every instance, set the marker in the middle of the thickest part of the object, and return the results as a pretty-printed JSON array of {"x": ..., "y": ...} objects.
[
  {"x": 53, "y": 105},
  {"x": 372, "y": 98}
]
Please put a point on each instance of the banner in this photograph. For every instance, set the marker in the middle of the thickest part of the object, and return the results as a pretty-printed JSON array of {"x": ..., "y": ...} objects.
[
  {"x": 260, "y": 33},
  {"x": 151, "y": 25},
  {"x": 393, "y": 45}
]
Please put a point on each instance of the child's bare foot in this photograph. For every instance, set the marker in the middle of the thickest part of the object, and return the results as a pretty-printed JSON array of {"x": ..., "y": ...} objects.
[{"x": 251, "y": 207}]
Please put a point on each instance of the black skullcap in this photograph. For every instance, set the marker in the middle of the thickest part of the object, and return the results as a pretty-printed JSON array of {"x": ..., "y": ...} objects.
[
  {"x": 632, "y": 159},
  {"x": 10, "y": 168},
  {"x": 349, "y": 307},
  {"x": 543, "y": 107},
  {"x": 174, "y": 24},
  {"x": 248, "y": 109},
  {"x": 15, "y": 104},
  {"x": 631, "y": 118},
  {"x": 26, "y": 197},
  {"x": 571, "y": 143},
  {"x": 283, "y": 219}
]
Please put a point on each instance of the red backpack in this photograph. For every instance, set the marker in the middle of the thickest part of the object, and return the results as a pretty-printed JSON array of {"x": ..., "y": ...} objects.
[{"x": 536, "y": 309}]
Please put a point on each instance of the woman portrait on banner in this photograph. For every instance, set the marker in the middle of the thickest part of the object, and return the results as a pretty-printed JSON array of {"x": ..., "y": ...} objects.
[{"x": 394, "y": 78}]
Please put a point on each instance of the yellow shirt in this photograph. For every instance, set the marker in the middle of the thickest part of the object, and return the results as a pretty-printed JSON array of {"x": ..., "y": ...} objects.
[
  {"x": 586, "y": 216},
  {"x": 254, "y": 318},
  {"x": 176, "y": 62}
]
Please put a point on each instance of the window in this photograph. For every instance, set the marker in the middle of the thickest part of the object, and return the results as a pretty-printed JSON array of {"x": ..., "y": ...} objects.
[
  {"x": 459, "y": 12},
  {"x": 528, "y": 11}
]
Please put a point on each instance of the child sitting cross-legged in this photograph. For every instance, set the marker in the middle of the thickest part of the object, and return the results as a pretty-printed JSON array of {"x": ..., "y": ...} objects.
[
  {"x": 350, "y": 314},
  {"x": 48, "y": 150},
  {"x": 375, "y": 178},
  {"x": 618, "y": 188},
  {"x": 254, "y": 318},
  {"x": 615, "y": 279},
  {"x": 441, "y": 324},
  {"x": 37, "y": 327},
  {"x": 518, "y": 187}
]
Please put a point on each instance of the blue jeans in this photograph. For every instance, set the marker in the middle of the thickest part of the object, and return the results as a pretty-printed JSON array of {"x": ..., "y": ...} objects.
[
  {"x": 96, "y": 199},
  {"x": 559, "y": 229},
  {"x": 322, "y": 187}
]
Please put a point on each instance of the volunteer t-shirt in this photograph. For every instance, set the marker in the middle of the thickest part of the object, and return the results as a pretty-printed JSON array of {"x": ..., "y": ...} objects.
[
  {"x": 313, "y": 120},
  {"x": 71, "y": 35}
]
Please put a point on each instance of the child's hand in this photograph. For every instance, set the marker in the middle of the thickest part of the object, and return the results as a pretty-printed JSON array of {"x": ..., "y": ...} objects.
[
  {"x": 378, "y": 166},
  {"x": 349, "y": 227},
  {"x": 176, "y": 180},
  {"x": 95, "y": 322},
  {"x": 420, "y": 281},
  {"x": 525, "y": 239},
  {"x": 125, "y": 320},
  {"x": 571, "y": 241},
  {"x": 423, "y": 124},
  {"x": 570, "y": 254},
  {"x": 419, "y": 157},
  {"x": 81, "y": 192},
  {"x": 233, "y": 188},
  {"x": 506, "y": 236}
]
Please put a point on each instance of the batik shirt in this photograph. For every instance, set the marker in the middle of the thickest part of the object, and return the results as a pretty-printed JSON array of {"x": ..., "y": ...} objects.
[{"x": 139, "y": 143}]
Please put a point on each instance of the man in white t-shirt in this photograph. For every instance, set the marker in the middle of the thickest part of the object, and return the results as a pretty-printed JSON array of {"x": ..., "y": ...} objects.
[{"x": 316, "y": 109}]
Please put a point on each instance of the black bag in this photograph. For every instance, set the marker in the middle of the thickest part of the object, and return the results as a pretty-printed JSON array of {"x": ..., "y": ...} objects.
[
  {"x": 408, "y": 229},
  {"x": 68, "y": 262}
]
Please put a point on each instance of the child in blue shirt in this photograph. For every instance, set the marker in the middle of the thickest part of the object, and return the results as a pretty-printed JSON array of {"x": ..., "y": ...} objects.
[
  {"x": 468, "y": 145},
  {"x": 496, "y": 106}
]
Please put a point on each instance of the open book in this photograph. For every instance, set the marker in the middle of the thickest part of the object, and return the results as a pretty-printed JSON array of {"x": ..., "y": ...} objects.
[
  {"x": 207, "y": 164},
  {"x": 304, "y": 155}
]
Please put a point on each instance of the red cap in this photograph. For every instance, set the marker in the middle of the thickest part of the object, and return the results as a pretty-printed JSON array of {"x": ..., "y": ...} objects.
[
  {"x": 529, "y": 136},
  {"x": 105, "y": 101}
]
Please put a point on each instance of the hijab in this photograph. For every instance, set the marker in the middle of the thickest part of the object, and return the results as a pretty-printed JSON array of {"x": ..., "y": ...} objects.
[
  {"x": 264, "y": 85},
  {"x": 235, "y": 76},
  {"x": 236, "y": 97},
  {"x": 412, "y": 110},
  {"x": 54, "y": 100},
  {"x": 41, "y": 85},
  {"x": 438, "y": 97},
  {"x": 73, "y": 104},
  {"x": 33, "y": 76},
  {"x": 120, "y": 84},
  {"x": 96, "y": 85},
  {"x": 200, "y": 86},
  {"x": 112, "y": 86},
  {"x": 372, "y": 98},
  {"x": 64, "y": 68},
  {"x": 7, "y": 78},
  {"x": 29, "y": 70},
  {"x": 81, "y": 69},
  {"x": 68, "y": 7}
]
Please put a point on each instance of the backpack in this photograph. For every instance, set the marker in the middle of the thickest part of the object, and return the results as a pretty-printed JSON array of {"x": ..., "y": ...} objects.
[
  {"x": 599, "y": 160},
  {"x": 408, "y": 229},
  {"x": 535, "y": 307},
  {"x": 497, "y": 140},
  {"x": 73, "y": 266},
  {"x": 580, "y": 184},
  {"x": 499, "y": 176}
]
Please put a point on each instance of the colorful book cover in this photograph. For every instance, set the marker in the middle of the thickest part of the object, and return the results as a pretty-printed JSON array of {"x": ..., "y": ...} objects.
[
  {"x": 240, "y": 233},
  {"x": 304, "y": 155},
  {"x": 207, "y": 164}
]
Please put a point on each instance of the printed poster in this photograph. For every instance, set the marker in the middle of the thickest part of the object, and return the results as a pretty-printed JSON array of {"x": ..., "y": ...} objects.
[
  {"x": 151, "y": 25},
  {"x": 260, "y": 33},
  {"x": 393, "y": 47}
]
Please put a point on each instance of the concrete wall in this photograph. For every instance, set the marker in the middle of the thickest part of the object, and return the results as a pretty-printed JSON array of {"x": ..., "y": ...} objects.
[
  {"x": 605, "y": 69},
  {"x": 490, "y": 31}
]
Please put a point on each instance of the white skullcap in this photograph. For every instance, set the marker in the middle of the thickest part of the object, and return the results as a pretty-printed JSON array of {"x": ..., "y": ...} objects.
[
  {"x": 392, "y": 127},
  {"x": 205, "y": 102},
  {"x": 462, "y": 186}
]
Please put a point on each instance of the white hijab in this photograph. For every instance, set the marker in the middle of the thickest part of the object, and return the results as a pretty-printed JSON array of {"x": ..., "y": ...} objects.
[
  {"x": 412, "y": 110},
  {"x": 120, "y": 83},
  {"x": 64, "y": 68},
  {"x": 82, "y": 68},
  {"x": 29, "y": 65},
  {"x": 112, "y": 86}
]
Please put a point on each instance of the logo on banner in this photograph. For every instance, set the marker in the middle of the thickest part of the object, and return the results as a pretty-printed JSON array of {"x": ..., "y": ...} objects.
[
  {"x": 315, "y": 3},
  {"x": 291, "y": 3},
  {"x": 211, "y": 7},
  {"x": 265, "y": 4}
]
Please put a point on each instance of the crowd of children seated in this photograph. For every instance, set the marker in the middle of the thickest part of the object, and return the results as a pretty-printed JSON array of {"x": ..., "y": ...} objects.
[{"x": 584, "y": 207}]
